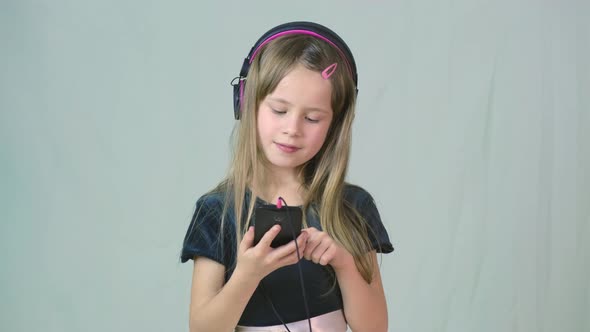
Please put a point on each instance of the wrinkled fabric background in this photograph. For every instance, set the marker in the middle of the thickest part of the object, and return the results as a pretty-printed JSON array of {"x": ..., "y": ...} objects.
[{"x": 472, "y": 133}]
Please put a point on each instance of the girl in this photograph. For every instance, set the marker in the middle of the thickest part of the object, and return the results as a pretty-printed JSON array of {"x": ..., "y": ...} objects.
[{"x": 295, "y": 98}]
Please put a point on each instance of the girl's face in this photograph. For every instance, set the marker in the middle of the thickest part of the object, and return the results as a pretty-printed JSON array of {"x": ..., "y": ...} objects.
[{"x": 294, "y": 119}]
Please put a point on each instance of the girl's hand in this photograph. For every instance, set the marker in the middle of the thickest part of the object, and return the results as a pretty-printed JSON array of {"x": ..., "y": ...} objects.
[
  {"x": 262, "y": 259},
  {"x": 322, "y": 249}
]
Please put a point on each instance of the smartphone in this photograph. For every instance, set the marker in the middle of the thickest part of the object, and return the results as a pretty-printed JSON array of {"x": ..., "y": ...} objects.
[{"x": 266, "y": 216}]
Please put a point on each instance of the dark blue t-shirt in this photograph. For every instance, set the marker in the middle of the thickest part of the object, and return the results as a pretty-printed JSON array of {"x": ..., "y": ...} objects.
[{"x": 282, "y": 286}]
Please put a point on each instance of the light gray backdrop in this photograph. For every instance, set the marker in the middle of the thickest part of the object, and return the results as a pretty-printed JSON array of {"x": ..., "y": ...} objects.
[{"x": 473, "y": 134}]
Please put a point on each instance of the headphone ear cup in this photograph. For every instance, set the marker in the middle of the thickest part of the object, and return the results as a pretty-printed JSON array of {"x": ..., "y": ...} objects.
[
  {"x": 237, "y": 102},
  {"x": 239, "y": 88}
]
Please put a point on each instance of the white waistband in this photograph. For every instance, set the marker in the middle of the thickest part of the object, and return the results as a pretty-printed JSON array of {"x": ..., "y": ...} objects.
[{"x": 331, "y": 322}]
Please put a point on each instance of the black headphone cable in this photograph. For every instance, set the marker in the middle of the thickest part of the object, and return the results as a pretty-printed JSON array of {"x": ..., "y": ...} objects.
[{"x": 300, "y": 278}]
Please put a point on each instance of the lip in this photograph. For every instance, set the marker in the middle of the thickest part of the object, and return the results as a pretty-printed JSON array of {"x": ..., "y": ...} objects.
[{"x": 287, "y": 148}]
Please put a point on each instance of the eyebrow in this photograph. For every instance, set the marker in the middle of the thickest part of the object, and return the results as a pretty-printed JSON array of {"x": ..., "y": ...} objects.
[{"x": 283, "y": 101}]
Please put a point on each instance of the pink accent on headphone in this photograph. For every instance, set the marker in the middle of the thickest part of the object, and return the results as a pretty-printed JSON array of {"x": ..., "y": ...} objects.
[
  {"x": 329, "y": 70},
  {"x": 241, "y": 82},
  {"x": 302, "y": 32}
]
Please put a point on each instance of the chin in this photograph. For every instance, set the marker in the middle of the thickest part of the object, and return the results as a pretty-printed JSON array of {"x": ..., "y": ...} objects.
[{"x": 285, "y": 164}]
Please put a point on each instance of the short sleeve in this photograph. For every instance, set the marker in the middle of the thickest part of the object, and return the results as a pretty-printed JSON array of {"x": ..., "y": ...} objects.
[
  {"x": 366, "y": 207},
  {"x": 204, "y": 237},
  {"x": 376, "y": 230}
]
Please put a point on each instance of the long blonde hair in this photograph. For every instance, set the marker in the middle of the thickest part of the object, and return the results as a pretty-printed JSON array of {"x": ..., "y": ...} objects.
[{"x": 322, "y": 177}]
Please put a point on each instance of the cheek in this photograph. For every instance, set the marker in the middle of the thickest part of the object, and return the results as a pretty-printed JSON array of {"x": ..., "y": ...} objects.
[
  {"x": 267, "y": 126},
  {"x": 262, "y": 124},
  {"x": 319, "y": 136}
]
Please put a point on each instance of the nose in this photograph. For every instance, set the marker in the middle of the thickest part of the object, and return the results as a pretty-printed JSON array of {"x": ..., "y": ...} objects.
[{"x": 293, "y": 124}]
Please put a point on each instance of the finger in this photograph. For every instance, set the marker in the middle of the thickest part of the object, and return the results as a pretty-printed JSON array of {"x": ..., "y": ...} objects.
[
  {"x": 312, "y": 243},
  {"x": 269, "y": 236},
  {"x": 309, "y": 230},
  {"x": 302, "y": 243},
  {"x": 289, "y": 259},
  {"x": 247, "y": 240},
  {"x": 290, "y": 248},
  {"x": 328, "y": 255},
  {"x": 319, "y": 251}
]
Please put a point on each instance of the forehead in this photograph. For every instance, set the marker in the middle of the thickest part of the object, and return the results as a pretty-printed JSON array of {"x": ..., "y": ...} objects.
[{"x": 304, "y": 88}]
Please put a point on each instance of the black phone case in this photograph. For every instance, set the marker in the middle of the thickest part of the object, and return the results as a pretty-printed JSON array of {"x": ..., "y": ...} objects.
[{"x": 289, "y": 217}]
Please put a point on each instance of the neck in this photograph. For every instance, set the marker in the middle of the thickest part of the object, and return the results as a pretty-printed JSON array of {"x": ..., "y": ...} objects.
[{"x": 280, "y": 183}]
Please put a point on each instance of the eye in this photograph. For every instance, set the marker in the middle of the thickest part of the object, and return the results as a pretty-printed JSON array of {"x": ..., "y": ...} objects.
[
  {"x": 278, "y": 111},
  {"x": 312, "y": 120}
]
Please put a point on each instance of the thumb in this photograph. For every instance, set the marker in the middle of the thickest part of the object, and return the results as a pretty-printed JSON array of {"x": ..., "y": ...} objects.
[{"x": 247, "y": 240}]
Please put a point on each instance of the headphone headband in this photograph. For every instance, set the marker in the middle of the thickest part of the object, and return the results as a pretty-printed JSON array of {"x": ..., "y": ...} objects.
[{"x": 302, "y": 28}]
